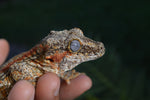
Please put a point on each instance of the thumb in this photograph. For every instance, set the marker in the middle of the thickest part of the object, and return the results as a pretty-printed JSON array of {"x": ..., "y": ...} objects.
[{"x": 4, "y": 49}]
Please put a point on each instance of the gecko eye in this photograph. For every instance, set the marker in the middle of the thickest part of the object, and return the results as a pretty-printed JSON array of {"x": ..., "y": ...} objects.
[{"x": 75, "y": 45}]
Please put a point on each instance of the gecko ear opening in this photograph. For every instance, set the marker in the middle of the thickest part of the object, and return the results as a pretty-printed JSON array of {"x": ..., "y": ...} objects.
[{"x": 51, "y": 60}]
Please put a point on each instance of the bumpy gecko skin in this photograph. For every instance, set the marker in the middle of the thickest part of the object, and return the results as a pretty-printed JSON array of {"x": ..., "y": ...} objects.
[{"x": 59, "y": 52}]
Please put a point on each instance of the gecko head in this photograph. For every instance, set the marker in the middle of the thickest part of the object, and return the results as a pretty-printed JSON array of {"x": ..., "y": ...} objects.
[{"x": 68, "y": 48}]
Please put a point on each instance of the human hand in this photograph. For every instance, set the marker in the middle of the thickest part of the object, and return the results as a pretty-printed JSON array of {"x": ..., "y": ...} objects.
[{"x": 49, "y": 86}]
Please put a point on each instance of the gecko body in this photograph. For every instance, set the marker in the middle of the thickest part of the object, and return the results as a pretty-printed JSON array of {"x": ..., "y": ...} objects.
[{"x": 59, "y": 52}]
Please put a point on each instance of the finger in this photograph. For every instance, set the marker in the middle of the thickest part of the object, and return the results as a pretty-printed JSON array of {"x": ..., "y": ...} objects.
[
  {"x": 48, "y": 87},
  {"x": 22, "y": 90},
  {"x": 4, "y": 49},
  {"x": 78, "y": 86}
]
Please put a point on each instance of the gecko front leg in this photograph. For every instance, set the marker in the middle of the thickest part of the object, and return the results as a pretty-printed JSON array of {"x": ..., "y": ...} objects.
[{"x": 68, "y": 75}]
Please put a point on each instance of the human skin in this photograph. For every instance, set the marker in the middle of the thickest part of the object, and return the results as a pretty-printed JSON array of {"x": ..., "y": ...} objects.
[{"x": 49, "y": 86}]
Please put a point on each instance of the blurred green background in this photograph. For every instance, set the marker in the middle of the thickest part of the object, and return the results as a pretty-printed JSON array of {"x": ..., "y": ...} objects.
[{"x": 122, "y": 25}]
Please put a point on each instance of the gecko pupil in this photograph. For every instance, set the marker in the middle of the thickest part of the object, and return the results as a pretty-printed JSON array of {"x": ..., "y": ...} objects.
[{"x": 75, "y": 45}]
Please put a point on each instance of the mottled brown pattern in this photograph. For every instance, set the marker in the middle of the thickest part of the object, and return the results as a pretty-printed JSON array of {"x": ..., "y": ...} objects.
[{"x": 53, "y": 54}]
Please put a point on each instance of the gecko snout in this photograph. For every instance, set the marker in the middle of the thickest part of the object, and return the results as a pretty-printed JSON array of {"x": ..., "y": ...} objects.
[{"x": 101, "y": 48}]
